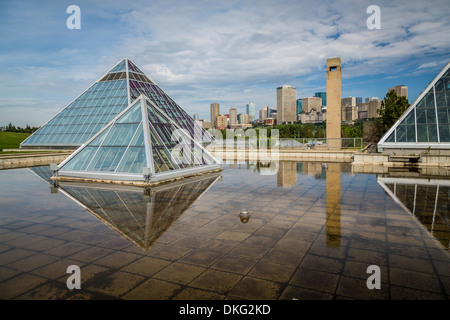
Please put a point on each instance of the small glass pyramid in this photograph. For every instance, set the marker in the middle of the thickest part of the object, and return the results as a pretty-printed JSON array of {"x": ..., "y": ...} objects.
[
  {"x": 140, "y": 144},
  {"x": 100, "y": 103},
  {"x": 426, "y": 123}
]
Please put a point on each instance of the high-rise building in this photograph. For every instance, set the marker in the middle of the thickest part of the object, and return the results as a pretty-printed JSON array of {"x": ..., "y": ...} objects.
[
  {"x": 251, "y": 110},
  {"x": 221, "y": 121},
  {"x": 348, "y": 101},
  {"x": 233, "y": 116},
  {"x": 215, "y": 111},
  {"x": 286, "y": 104},
  {"x": 196, "y": 116},
  {"x": 401, "y": 91},
  {"x": 299, "y": 106},
  {"x": 359, "y": 100},
  {"x": 371, "y": 99},
  {"x": 333, "y": 131},
  {"x": 244, "y": 118},
  {"x": 323, "y": 96},
  {"x": 272, "y": 113},
  {"x": 311, "y": 103},
  {"x": 263, "y": 113}
]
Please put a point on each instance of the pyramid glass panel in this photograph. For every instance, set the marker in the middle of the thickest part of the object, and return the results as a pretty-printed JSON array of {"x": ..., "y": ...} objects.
[
  {"x": 100, "y": 103},
  {"x": 142, "y": 136},
  {"x": 426, "y": 123}
]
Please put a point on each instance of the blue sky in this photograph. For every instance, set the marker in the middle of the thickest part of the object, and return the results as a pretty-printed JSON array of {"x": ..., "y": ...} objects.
[{"x": 231, "y": 52}]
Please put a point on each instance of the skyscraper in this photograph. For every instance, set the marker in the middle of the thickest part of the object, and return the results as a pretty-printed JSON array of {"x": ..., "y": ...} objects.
[
  {"x": 263, "y": 113},
  {"x": 233, "y": 116},
  {"x": 286, "y": 104},
  {"x": 251, "y": 110},
  {"x": 311, "y": 103},
  {"x": 215, "y": 110},
  {"x": 401, "y": 91},
  {"x": 323, "y": 96},
  {"x": 299, "y": 105}
]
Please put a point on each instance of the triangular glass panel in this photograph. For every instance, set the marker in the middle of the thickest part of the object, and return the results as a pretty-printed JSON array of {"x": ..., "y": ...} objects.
[{"x": 121, "y": 66}]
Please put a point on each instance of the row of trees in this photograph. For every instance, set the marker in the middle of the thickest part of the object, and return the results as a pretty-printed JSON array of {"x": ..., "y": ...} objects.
[{"x": 27, "y": 129}]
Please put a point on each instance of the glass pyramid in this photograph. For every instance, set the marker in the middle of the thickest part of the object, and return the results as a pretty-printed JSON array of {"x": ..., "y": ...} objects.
[
  {"x": 101, "y": 102},
  {"x": 426, "y": 123},
  {"x": 141, "y": 136}
]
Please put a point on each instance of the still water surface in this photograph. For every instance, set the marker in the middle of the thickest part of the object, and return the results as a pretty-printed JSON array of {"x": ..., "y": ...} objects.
[{"x": 312, "y": 232}]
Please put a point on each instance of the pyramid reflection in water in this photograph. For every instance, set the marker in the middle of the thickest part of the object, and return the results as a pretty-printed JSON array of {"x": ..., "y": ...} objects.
[{"x": 137, "y": 214}]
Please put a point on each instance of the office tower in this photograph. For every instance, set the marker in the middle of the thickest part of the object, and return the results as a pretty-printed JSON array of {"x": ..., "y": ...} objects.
[
  {"x": 401, "y": 91},
  {"x": 215, "y": 110},
  {"x": 233, "y": 116},
  {"x": 272, "y": 113},
  {"x": 251, "y": 110},
  {"x": 333, "y": 131},
  {"x": 299, "y": 106},
  {"x": 371, "y": 99},
  {"x": 244, "y": 118},
  {"x": 286, "y": 104},
  {"x": 311, "y": 103},
  {"x": 196, "y": 116},
  {"x": 348, "y": 101},
  {"x": 359, "y": 100},
  {"x": 323, "y": 96},
  {"x": 221, "y": 121},
  {"x": 263, "y": 113}
]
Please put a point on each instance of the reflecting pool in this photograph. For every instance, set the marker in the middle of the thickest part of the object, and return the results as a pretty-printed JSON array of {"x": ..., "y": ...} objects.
[{"x": 311, "y": 232}]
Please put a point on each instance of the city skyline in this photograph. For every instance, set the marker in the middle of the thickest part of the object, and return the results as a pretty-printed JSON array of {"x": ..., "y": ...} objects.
[{"x": 231, "y": 53}]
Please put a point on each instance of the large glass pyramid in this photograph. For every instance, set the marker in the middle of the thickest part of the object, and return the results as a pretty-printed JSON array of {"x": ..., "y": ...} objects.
[
  {"x": 140, "y": 144},
  {"x": 426, "y": 123},
  {"x": 101, "y": 102}
]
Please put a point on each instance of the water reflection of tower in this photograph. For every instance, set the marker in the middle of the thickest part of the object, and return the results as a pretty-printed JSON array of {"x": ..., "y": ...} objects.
[
  {"x": 333, "y": 225},
  {"x": 287, "y": 174}
]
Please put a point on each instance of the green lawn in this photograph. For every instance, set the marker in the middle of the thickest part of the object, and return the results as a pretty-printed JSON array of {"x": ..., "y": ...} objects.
[{"x": 11, "y": 140}]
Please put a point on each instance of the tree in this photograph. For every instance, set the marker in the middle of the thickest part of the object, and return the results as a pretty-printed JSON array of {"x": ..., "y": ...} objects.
[{"x": 392, "y": 107}]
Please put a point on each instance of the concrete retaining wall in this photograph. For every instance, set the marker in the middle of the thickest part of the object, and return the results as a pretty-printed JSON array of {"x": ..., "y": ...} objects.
[{"x": 29, "y": 160}]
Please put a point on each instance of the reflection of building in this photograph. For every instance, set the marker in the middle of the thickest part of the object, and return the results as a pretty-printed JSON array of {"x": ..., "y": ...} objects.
[
  {"x": 333, "y": 224},
  {"x": 286, "y": 104},
  {"x": 139, "y": 217},
  {"x": 424, "y": 198},
  {"x": 287, "y": 174}
]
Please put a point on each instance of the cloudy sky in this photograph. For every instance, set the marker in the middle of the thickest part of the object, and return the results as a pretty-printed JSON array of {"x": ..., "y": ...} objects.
[{"x": 232, "y": 52}]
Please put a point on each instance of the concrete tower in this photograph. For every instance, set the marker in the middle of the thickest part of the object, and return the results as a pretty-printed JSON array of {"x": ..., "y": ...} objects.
[
  {"x": 215, "y": 110},
  {"x": 334, "y": 103}
]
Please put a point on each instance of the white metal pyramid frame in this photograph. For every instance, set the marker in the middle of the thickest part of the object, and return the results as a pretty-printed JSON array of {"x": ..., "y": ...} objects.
[
  {"x": 147, "y": 169},
  {"x": 386, "y": 143}
]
